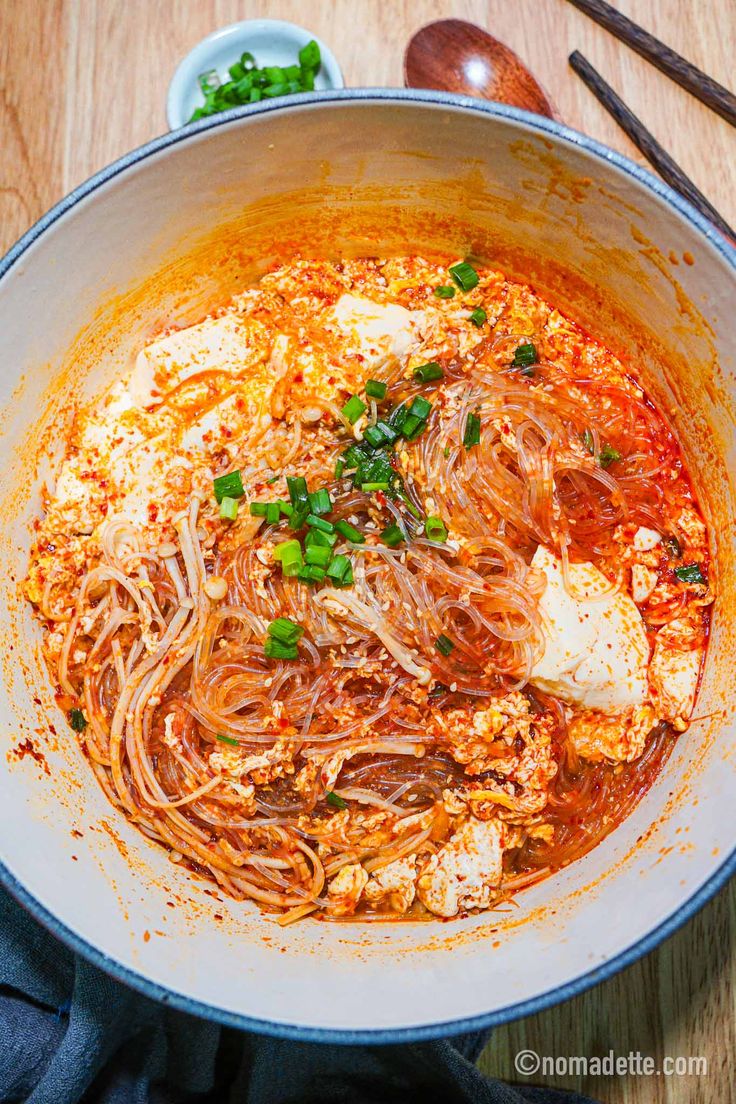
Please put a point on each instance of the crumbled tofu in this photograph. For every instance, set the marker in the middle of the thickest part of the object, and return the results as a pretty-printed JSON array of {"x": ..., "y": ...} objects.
[
  {"x": 169, "y": 737},
  {"x": 394, "y": 884},
  {"x": 643, "y": 582},
  {"x": 466, "y": 872},
  {"x": 331, "y": 767},
  {"x": 346, "y": 889},
  {"x": 674, "y": 673},
  {"x": 473, "y": 735},
  {"x": 646, "y": 539},
  {"x": 263, "y": 768},
  {"x": 618, "y": 739},
  {"x": 507, "y": 738},
  {"x": 691, "y": 527},
  {"x": 596, "y": 649}
]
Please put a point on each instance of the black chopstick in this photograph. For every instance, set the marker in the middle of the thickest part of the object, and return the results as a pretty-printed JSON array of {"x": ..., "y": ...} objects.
[
  {"x": 645, "y": 141},
  {"x": 703, "y": 87}
]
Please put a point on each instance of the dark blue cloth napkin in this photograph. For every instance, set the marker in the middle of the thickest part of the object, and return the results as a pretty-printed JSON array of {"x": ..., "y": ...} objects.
[{"x": 70, "y": 1033}]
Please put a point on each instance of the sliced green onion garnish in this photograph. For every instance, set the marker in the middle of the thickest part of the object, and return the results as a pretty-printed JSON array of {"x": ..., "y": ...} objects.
[
  {"x": 274, "y": 649},
  {"x": 227, "y": 740},
  {"x": 298, "y": 493},
  {"x": 376, "y": 468},
  {"x": 445, "y": 292},
  {"x": 392, "y": 536},
  {"x": 298, "y": 517},
  {"x": 425, "y": 373},
  {"x": 349, "y": 532},
  {"x": 410, "y": 505},
  {"x": 397, "y": 417},
  {"x": 247, "y": 83},
  {"x": 320, "y": 501},
  {"x": 258, "y": 509},
  {"x": 285, "y": 507},
  {"x": 370, "y": 488},
  {"x": 77, "y": 720},
  {"x": 435, "y": 529},
  {"x": 353, "y": 409},
  {"x": 289, "y": 554},
  {"x": 352, "y": 457},
  {"x": 413, "y": 426},
  {"x": 323, "y": 540},
  {"x": 316, "y": 554},
  {"x": 478, "y": 316},
  {"x": 419, "y": 407},
  {"x": 472, "y": 431},
  {"x": 340, "y": 571},
  {"x": 374, "y": 436},
  {"x": 443, "y": 644},
  {"x": 229, "y": 486},
  {"x": 273, "y": 513},
  {"x": 311, "y": 573},
  {"x": 464, "y": 275},
  {"x": 229, "y": 509},
  {"x": 309, "y": 56},
  {"x": 209, "y": 81},
  {"x": 588, "y": 441},
  {"x": 285, "y": 630},
  {"x": 608, "y": 455},
  {"x": 375, "y": 389},
  {"x": 339, "y": 468},
  {"x": 690, "y": 573},
  {"x": 525, "y": 356},
  {"x": 320, "y": 523},
  {"x": 273, "y": 479},
  {"x": 335, "y": 800},
  {"x": 389, "y": 433}
]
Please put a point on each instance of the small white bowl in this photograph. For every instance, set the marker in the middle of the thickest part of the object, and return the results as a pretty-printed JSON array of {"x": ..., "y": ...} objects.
[{"x": 271, "y": 41}]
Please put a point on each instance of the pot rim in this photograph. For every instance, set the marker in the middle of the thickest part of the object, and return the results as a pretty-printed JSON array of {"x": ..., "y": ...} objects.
[{"x": 417, "y": 1033}]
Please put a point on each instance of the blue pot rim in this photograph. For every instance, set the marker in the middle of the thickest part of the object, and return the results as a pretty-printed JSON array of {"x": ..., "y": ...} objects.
[{"x": 417, "y": 1033}]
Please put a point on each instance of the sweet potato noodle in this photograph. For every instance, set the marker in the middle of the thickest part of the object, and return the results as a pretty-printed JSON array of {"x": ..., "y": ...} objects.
[{"x": 350, "y": 780}]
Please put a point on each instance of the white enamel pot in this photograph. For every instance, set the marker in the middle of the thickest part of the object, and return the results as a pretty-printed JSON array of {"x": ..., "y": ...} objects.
[{"x": 158, "y": 238}]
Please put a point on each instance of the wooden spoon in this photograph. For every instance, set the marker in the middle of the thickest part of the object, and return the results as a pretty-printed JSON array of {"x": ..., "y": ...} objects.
[{"x": 456, "y": 56}]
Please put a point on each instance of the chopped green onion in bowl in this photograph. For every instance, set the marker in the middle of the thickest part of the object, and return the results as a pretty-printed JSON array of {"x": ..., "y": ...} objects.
[{"x": 248, "y": 83}]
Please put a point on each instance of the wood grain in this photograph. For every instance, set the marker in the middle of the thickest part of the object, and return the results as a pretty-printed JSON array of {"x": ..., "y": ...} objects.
[
  {"x": 83, "y": 81},
  {"x": 692, "y": 79}
]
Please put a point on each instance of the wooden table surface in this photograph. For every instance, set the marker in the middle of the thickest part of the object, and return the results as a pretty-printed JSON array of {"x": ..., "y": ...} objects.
[{"x": 83, "y": 81}]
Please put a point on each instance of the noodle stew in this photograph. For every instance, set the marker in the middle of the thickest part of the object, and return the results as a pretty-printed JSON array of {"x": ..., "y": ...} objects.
[{"x": 381, "y": 592}]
